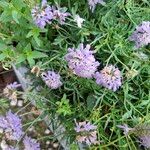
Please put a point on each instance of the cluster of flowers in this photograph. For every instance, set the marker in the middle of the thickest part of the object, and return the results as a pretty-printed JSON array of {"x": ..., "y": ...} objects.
[
  {"x": 10, "y": 91},
  {"x": 45, "y": 14},
  {"x": 82, "y": 63},
  {"x": 141, "y": 131},
  {"x": 11, "y": 128}
]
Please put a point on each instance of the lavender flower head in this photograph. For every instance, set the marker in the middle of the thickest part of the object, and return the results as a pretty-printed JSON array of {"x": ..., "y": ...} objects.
[
  {"x": 141, "y": 36},
  {"x": 11, "y": 124},
  {"x": 125, "y": 129},
  {"x": 109, "y": 77},
  {"x": 52, "y": 79},
  {"x": 81, "y": 61},
  {"x": 86, "y": 133},
  {"x": 30, "y": 144},
  {"x": 93, "y": 3},
  {"x": 145, "y": 140},
  {"x": 60, "y": 15},
  {"x": 42, "y": 15}
]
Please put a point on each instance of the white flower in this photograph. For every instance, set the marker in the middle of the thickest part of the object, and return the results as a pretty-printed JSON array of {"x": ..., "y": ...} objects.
[{"x": 78, "y": 20}]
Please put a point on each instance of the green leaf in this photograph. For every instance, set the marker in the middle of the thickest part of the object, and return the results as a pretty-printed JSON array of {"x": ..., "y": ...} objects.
[
  {"x": 30, "y": 33},
  {"x": 21, "y": 58},
  {"x": 6, "y": 16},
  {"x": 63, "y": 106},
  {"x": 31, "y": 61},
  {"x": 4, "y": 4},
  {"x": 15, "y": 16},
  {"x": 91, "y": 101},
  {"x": 127, "y": 115},
  {"x": 2, "y": 56},
  {"x": 27, "y": 48},
  {"x": 37, "y": 40},
  {"x": 18, "y": 4},
  {"x": 2, "y": 46},
  {"x": 36, "y": 54}
]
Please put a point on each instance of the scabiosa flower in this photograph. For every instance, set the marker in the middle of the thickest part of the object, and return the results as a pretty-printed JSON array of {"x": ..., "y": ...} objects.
[
  {"x": 42, "y": 15},
  {"x": 81, "y": 61},
  {"x": 11, "y": 124},
  {"x": 52, "y": 79},
  {"x": 141, "y": 36},
  {"x": 109, "y": 77},
  {"x": 93, "y": 3},
  {"x": 125, "y": 129},
  {"x": 60, "y": 15},
  {"x": 31, "y": 144},
  {"x": 86, "y": 133}
]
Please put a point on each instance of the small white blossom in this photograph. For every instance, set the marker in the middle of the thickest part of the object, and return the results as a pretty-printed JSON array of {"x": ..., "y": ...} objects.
[
  {"x": 20, "y": 103},
  {"x": 79, "y": 20}
]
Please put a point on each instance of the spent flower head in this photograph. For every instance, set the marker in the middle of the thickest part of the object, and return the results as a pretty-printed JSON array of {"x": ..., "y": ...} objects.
[
  {"x": 52, "y": 79},
  {"x": 109, "y": 77},
  {"x": 86, "y": 133},
  {"x": 30, "y": 144},
  {"x": 93, "y": 3},
  {"x": 10, "y": 91},
  {"x": 141, "y": 36},
  {"x": 81, "y": 61},
  {"x": 5, "y": 146},
  {"x": 12, "y": 126}
]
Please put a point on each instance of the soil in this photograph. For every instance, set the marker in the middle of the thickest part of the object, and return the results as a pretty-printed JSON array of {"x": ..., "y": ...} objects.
[{"x": 6, "y": 77}]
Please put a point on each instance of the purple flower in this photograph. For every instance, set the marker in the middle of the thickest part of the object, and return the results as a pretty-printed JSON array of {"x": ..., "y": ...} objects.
[
  {"x": 145, "y": 140},
  {"x": 42, "y": 15},
  {"x": 141, "y": 36},
  {"x": 52, "y": 79},
  {"x": 13, "y": 86},
  {"x": 93, "y": 3},
  {"x": 11, "y": 124},
  {"x": 30, "y": 144},
  {"x": 109, "y": 77},
  {"x": 81, "y": 61},
  {"x": 125, "y": 128},
  {"x": 86, "y": 132},
  {"x": 60, "y": 14}
]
